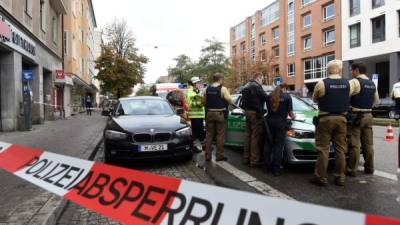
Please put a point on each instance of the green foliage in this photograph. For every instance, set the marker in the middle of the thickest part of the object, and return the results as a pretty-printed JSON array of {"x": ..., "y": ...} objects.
[
  {"x": 212, "y": 60},
  {"x": 143, "y": 91},
  {"x": 120, "y": 66}
]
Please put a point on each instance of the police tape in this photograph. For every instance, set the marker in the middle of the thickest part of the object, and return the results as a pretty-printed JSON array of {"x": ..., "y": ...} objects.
[
  {"x": 135, "y": 197},
  {"x": 72, "y": 106}
]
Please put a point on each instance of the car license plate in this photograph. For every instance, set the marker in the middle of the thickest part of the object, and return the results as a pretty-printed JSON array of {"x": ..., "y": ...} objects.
[{"x": 153, "y": 148}]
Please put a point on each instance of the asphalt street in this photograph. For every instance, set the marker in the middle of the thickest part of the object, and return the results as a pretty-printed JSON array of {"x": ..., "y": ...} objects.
[{"x": 370, "y": 194}]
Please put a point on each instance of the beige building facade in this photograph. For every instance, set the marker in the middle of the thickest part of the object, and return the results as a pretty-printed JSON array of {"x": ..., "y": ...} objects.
[
  {"x": 79, "y": 52},
  {"x": 298, "y": 37},
  {"x": 30, "y": 57}
]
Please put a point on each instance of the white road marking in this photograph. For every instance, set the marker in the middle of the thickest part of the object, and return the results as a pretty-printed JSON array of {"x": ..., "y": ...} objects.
[
  {"x": 252, "y": 181},
  {"x": 381, "y": 174}
]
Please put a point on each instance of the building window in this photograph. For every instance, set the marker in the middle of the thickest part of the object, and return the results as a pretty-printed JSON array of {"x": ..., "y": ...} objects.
[
  {"x": 329, "y": 37},
  {"x": 82, "y": 66},
  {"x": 377, "y": 3},
  {"x": 291, "y": 70},
  {"x": 234, "y": 50},
  {"x": 65, "y": 41},
  {"x": 378, "y": 29},
  {"x": 263, "y": 39},
  {"x": 275, "y": 33},
  {"x": 54, "y": 30},
  {"x": 82, "y": 36},
  {"x": 307, "y": 20},
  {"x": 270, "y": 14},
  {"x": 398, "y": 24},
  {"x": 275, "y": 51},
  {"x": 42, "y": 12},
  {"x": 240, "y": 31},
  {"x": 329, "y": 12},
  {"x": 355, "y": 33},
  {"x": 307, "y": 43},
  {"x": 354, "y": 7},
  {"x": 28, "y": 7},
  {"x": 73, "y": 46},
  {"x": 82, "y": 10},
  {"x": 275, "y": 71},
  {"x": 290, "y": 31},
  {"x": 306, "y": 2},
  {"x": 315, "y": 68},
  {"x": 263, "y": 56},
  {"x": 243, "y": 47}
]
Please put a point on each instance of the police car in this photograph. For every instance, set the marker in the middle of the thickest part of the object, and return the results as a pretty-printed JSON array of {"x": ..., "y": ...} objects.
[{"x": 300, "y": 142}]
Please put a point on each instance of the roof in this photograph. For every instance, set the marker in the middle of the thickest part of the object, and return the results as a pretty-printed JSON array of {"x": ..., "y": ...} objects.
[{"x": 141, "y": 98}]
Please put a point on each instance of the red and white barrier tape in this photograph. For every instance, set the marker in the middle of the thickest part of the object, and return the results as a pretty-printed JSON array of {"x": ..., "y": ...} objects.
[{"x": 135, "y": 197}]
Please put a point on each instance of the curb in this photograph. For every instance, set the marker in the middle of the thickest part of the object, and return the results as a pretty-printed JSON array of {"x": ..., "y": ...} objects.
[{"x": 55, "y": 206}]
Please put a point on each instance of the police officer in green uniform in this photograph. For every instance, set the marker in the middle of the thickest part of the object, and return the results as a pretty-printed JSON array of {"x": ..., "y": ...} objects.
[
  {"x": 195, "y": 101},
  {"x": 333, "y": 96},
  {"x": 360, "y": 133}
]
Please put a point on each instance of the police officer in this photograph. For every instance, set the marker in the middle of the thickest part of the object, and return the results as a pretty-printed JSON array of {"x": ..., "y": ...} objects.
[
  {"x": 360, "y": 132},
  {"x": 279, "y": 106},
  {"x": 253, "y": 102},
  {"x": 195, "y": 101},
  {"x": 217, "y": 100},
  {"x": 333, "y": 96},
  {"x": 396, "y": 95}
]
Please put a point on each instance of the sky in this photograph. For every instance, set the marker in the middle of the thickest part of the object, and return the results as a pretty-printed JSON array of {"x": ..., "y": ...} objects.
[{"x": 175, "y": 26}]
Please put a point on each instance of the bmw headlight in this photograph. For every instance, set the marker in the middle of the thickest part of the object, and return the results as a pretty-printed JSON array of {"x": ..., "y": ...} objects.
[
  {"x": 115, "y": 135},
  {"x": 300, "y": 134},
  {"x": 187, "y": 131}
]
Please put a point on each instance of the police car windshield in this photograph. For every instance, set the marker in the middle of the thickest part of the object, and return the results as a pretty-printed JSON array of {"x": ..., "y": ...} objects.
[
  {"x": 145, "y": 107},
  {"x": 299, "y": 106}
]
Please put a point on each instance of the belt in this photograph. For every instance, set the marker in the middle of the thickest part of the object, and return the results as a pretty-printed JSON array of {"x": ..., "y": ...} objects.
[
  {"x": 332, "y": 114},
  {"x": 216, "y": 110}
]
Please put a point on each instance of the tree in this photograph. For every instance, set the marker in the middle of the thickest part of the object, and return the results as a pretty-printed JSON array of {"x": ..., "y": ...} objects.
[
  {"x": 143, "y": 91},
  {"x": 120, "y": 65},
  {"x": 213, "y": 59},
  {"x": 243, "y": 69},
  {"x": 183, "y": 70}
]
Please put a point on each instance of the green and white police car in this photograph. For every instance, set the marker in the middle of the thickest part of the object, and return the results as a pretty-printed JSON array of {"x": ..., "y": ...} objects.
[{"x": 300, "y": 142}]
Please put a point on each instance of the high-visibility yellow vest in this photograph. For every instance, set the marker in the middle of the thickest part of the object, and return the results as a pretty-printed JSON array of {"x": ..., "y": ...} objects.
[{"x": 196, "y": 104}]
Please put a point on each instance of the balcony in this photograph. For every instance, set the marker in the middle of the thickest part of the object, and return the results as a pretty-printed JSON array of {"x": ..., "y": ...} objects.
[{"x": 59, "y": 6}]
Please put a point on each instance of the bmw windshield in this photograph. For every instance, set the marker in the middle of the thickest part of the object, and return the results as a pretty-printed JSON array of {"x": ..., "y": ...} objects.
[{"x": 136, "y": 107}]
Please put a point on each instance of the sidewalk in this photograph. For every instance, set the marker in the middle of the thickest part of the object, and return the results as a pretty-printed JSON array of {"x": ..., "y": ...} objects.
[{"x": 24, "y": 203}]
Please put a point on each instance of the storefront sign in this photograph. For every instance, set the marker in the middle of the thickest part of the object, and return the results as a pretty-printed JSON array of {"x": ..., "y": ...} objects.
[
  {"x": 27, "y": 75},
  {"x": 60, "y": 76},
  {"x": 16, "y": 39},
  {"x": 5, "y": 31}
]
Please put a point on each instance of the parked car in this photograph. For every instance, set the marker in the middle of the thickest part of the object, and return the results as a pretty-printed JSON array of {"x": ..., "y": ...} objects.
[
  {"x": 146, "y": 128},
  {"x": 386, "y": 108},
  {"x": 300, "y": 143},
  {"x": 309, "y": 101}
]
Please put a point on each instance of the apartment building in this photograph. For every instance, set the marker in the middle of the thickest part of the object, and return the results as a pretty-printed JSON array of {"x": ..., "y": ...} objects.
[
  {"x": 371, "y": 33},
  {"x": 79, "y": 53},
  {"x": 300, "y": 37},
  {"x": 30, "y": 56}
]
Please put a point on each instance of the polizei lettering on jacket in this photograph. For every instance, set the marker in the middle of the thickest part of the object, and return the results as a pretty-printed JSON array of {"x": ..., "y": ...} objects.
[
  {"x": 337, "y": 86},
  {"x": 153, "y": 204}
]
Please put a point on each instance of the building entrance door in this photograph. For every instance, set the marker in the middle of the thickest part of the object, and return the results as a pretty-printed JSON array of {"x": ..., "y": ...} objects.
[{"x": 382, "y": 69}]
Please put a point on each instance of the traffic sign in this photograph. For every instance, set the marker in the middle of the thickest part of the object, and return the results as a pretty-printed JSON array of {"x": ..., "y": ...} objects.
[{"x": 27, "y": 75}]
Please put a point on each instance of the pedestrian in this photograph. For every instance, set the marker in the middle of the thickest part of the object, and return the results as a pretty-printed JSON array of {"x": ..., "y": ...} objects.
[
  {"x": 360, "y": 133},
  {"x": 217, "y": 100},
  {"x": 177, "y": 99},
  {"x": 153, "y": 90},
  {"x": 280, "y": 106},
  {"x": 396, "y": 95},
  {"x": 253, "y": 102},
  {"x": 196, "y": 114},
  {"x": 333, "y": 96},
  {"x": 88, "y": 106}
]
